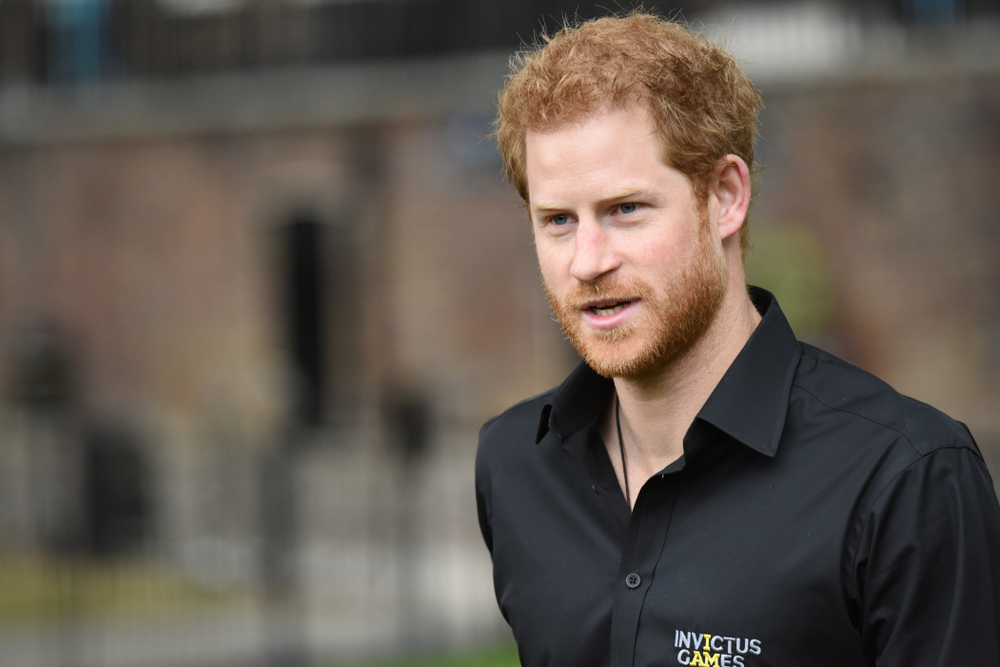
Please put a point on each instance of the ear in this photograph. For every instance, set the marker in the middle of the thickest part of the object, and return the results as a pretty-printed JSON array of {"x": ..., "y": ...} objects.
[{"x": 731, "y": 190}]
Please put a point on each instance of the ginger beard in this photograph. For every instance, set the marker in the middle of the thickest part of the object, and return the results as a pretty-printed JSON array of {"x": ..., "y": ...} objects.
[{"x": 673, "y": 317}]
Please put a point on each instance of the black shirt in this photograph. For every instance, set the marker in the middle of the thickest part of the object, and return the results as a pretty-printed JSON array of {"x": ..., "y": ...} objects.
[{"x": 816, "y": 518}]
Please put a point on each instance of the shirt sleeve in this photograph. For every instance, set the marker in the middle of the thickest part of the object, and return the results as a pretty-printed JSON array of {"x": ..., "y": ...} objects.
[
  {"x": 484, "y": 491},
  {"x": 927, "y": 567}
]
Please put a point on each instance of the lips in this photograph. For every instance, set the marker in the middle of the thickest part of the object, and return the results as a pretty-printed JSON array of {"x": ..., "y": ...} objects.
[
  {"x": 608, "y": 305},
  {"x": 607, "y": 309}
]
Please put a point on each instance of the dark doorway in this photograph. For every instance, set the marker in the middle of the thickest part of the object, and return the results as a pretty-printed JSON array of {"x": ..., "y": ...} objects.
[
  {"x": 305, "y": 296},
  {"x": 116, "y": 492}
]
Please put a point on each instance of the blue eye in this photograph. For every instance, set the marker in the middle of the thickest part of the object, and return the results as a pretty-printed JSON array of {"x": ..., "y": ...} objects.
[
  {"x": 628, "y": 207},
  {"x": 560, "y": 219}
]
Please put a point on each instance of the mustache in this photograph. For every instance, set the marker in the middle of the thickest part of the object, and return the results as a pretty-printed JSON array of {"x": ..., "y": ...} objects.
[{"x": 609, "y": 289}]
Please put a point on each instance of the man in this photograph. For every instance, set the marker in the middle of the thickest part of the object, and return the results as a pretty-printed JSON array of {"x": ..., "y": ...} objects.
[{"x": 704, "y": 489}]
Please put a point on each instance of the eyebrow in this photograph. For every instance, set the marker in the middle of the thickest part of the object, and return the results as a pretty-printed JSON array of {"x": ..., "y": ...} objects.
[
  {"x": 623, "y": 194},
  {"x": 545, "y": 208},
  {"x": 628, "y": 193}
]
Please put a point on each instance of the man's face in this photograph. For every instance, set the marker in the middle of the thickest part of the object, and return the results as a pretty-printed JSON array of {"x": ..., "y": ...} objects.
[{"x": 629, "y": 256}]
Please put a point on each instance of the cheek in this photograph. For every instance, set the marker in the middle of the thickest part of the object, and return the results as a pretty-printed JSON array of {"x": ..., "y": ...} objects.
[
  {"x": 664, "y": 253},
  {"x": 554, "y": 267},
  {"x": 657, "y": 256}
]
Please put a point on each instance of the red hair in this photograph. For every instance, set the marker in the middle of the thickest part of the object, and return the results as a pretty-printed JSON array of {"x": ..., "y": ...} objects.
[{"x": 702, "y": 103}]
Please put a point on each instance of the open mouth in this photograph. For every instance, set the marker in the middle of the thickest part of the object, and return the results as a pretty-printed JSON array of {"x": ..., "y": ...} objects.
[{"x": 604, "y": 310}]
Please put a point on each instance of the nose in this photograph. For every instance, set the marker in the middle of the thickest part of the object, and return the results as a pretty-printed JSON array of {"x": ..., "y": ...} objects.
[{"x": 593, "y": 255}]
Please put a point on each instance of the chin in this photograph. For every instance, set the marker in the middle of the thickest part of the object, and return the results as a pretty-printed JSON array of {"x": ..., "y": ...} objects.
[{"x": 611, "y": 361}]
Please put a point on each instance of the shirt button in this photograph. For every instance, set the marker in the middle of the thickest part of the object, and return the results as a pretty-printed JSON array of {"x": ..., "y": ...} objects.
[{"x": 633, "y": 580}]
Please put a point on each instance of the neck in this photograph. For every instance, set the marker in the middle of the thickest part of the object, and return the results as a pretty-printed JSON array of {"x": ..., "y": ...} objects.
[{"x": 657, "y": 409}]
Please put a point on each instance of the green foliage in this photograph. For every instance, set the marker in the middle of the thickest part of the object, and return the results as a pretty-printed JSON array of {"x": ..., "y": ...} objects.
[{"x": 790, "y": 261}]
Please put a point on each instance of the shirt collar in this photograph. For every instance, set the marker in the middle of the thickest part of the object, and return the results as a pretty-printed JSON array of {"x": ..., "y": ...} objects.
[{"x": 749, "y": 403}]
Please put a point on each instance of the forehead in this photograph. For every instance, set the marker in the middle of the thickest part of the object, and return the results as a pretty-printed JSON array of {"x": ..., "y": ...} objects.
[{"x": 611, "y": 146}]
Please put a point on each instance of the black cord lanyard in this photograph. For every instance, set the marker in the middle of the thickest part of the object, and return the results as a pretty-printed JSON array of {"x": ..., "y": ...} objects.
[{"x": 621, "y": 448}]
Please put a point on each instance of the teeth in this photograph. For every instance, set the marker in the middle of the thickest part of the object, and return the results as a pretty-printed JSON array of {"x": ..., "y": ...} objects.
[{"x": 604, "y": 311}]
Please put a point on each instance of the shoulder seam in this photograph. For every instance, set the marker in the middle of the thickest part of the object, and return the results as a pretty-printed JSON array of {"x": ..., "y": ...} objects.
[
  {"x": 862, "y": 514},
  {"x": 860, "y": 416}
]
